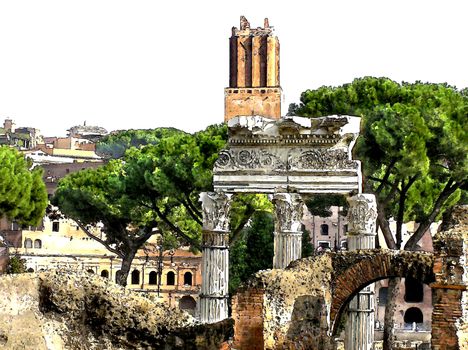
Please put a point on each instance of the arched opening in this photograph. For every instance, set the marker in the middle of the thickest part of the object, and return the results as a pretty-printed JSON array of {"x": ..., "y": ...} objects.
[
  {"x": 105, "y": 273},
  {"x": 90, "y": 271},
  {"x": 153, "y": 278},
  {"x": 414, "y": 291},
  {"x": 324, "y": 230},
  {"x": 188, "y": 304},
  {"x": 37, "y": 243},
  {"x": 30, "y": 269},
  {"x": 28, "y": 243},
  {"x": 135, "y": 277},
  {"x": 413, "y": 315},
  {"x": 379, "y": 267},
  {"x": 170, "y": 278},
  {"x": 117, "y": 273},
  {"x": 188, "y": 279}
]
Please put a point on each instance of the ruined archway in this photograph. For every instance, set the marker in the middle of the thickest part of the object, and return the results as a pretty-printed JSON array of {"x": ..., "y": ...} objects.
[
  {"x": 300, "y": 307},
  {"x": 354, "y": 271}
]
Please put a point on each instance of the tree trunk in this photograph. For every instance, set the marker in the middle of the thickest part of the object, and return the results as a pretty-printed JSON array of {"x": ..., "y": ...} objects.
[
  {"x": 122, "y": 274},
  {"x": 389, "y": 329}
]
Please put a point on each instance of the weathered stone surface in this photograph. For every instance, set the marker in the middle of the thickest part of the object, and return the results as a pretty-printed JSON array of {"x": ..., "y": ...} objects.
[
  {"x": 450, "y": 292},
  {"x": 215, "y": 265},
  {"x": 78, "y": 310},
  {"x": 300, "y": 154},
  {"x": 300, "y": 307}
]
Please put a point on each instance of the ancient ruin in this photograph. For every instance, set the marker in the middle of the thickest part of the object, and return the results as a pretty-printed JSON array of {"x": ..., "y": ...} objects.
[{"x": 290, "y": 158}]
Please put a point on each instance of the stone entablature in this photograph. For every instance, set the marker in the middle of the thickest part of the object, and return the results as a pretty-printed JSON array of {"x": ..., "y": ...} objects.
[{"x": 292, "y": 154}]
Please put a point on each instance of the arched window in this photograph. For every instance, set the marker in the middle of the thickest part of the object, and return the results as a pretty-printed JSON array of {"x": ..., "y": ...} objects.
[
  {"x": 37, "y": 243},
  {"x": 413, "y": 315},
  {"x": 28, "y": 243},
  {"x": 105, "y": 273},
  {"x": 90, "y": 271},
  {"x": 135, "y": 277},
  {"x": 188, "y": 304},
  {"x": 324, "y": 229},
  {"x": 383, "y": 293},
  {"x": 30, "y": 269},
  {"x": 170, "y": 278},
  {"x": 188, "y": 278},
  {"x": 153, "y": 277},
  {"x": 117, "y": 273},
  {"x": 414, "y": 291}
]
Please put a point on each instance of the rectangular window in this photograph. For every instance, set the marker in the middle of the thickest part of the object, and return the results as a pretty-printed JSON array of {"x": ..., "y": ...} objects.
[{"x": 55, "y": 226}]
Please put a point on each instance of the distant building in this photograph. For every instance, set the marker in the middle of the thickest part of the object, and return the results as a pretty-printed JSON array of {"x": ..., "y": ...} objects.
[
  {"x": 173, "y": 277},
  {"x": 87, "y": 132},
  {"x": 327, "y": 233},
  {"x": 22, "y": 138}
]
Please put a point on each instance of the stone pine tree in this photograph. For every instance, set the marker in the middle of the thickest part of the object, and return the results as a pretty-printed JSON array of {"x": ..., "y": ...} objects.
[
  {"x": 152, "y": 188},
  {"x": 414, "y": 149},
  {"x": 23, "y": 196}
]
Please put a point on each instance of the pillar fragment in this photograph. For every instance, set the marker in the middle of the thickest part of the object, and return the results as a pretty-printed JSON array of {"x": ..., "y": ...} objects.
[
  {"x": 288, "y": 229},
  {"x": 362, "y": 217},
  {"x": 215, "y": 261}
]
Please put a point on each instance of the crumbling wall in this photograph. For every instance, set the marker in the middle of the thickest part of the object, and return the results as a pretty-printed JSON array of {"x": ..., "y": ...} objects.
[
  {"x": 294, "y": 307},
  {"x": 77, "y": 310},
  {"x": 449, "y": 292},
  {"x": 300, "y": 307}
]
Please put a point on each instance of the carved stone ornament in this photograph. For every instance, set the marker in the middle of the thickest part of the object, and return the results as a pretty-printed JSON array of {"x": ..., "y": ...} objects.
[
  {"x": 288, "y": 212},
  {"x": 216, "y": 207},
  {"x": 362, "y": 214},
  {"x": 241, "y": 159},
  {"x": 323, "y": 159}
]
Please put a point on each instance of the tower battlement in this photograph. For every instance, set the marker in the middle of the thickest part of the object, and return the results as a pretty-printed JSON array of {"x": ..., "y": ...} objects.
[{"x": 254, "y": 80}]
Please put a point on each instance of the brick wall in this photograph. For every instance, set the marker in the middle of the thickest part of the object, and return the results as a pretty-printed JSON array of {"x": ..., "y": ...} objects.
[
  {"x": 247, "y": 312},
  {"x": 446, "y": 311}
]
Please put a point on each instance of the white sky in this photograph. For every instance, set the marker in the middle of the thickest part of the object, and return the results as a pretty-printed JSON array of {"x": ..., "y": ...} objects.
[{"x": 144, "y": 64}]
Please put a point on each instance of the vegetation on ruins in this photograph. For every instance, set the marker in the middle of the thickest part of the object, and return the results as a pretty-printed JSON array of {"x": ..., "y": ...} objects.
[
  {"x": 413, "y": 146},
  {"x": 23, "y": 196},
  {"x": 16, "y": 264},
  {"x": 151, "y": 189}
]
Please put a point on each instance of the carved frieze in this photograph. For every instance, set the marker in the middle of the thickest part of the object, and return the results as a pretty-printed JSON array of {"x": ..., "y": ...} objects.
[
  {"x": 362, "y": 214},
  {"x": 216, "y": 207},
  {"x": 252, "y": 159},
  {"x": 323, "y": 159}
]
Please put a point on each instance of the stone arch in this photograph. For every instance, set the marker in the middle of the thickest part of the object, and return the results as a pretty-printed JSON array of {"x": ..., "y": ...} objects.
[
  {"x": 28, "y": 243},
  {"x": 170, "y": 278},
  {"x": 135, "y": 277},
  {"x": 188, "y": 303},
  {"x": 188, "y": 278},
  {"x": 356, "y": 270},
  {"x": 413, "y": 315},
  {"x": 153, "y": 278},
  {"x": 37, "y": 243}
]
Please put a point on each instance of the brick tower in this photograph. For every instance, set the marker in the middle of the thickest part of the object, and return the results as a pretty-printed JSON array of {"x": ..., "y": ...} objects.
[{"x": 254, "y": 83}]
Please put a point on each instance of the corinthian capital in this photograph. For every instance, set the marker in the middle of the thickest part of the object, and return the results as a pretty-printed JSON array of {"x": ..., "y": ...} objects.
[
  {"x": 288, "y": 212},
  {"x": 362, "y": 215},
  {"x": 216, "y": 207}
]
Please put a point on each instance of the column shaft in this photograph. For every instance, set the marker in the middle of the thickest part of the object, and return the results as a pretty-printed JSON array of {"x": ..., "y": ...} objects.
[
  {"x": 215, "y": 261},
  {"x": 288, "y": 232},
  {"x": 361, "y": 235}
]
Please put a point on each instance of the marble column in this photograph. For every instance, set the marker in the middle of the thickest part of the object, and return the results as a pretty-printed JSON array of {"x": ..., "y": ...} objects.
[
  {"x": 215, "y": 261},
  {"x": 362, "y": 217},
  {"x": 288, "y": 233}
]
